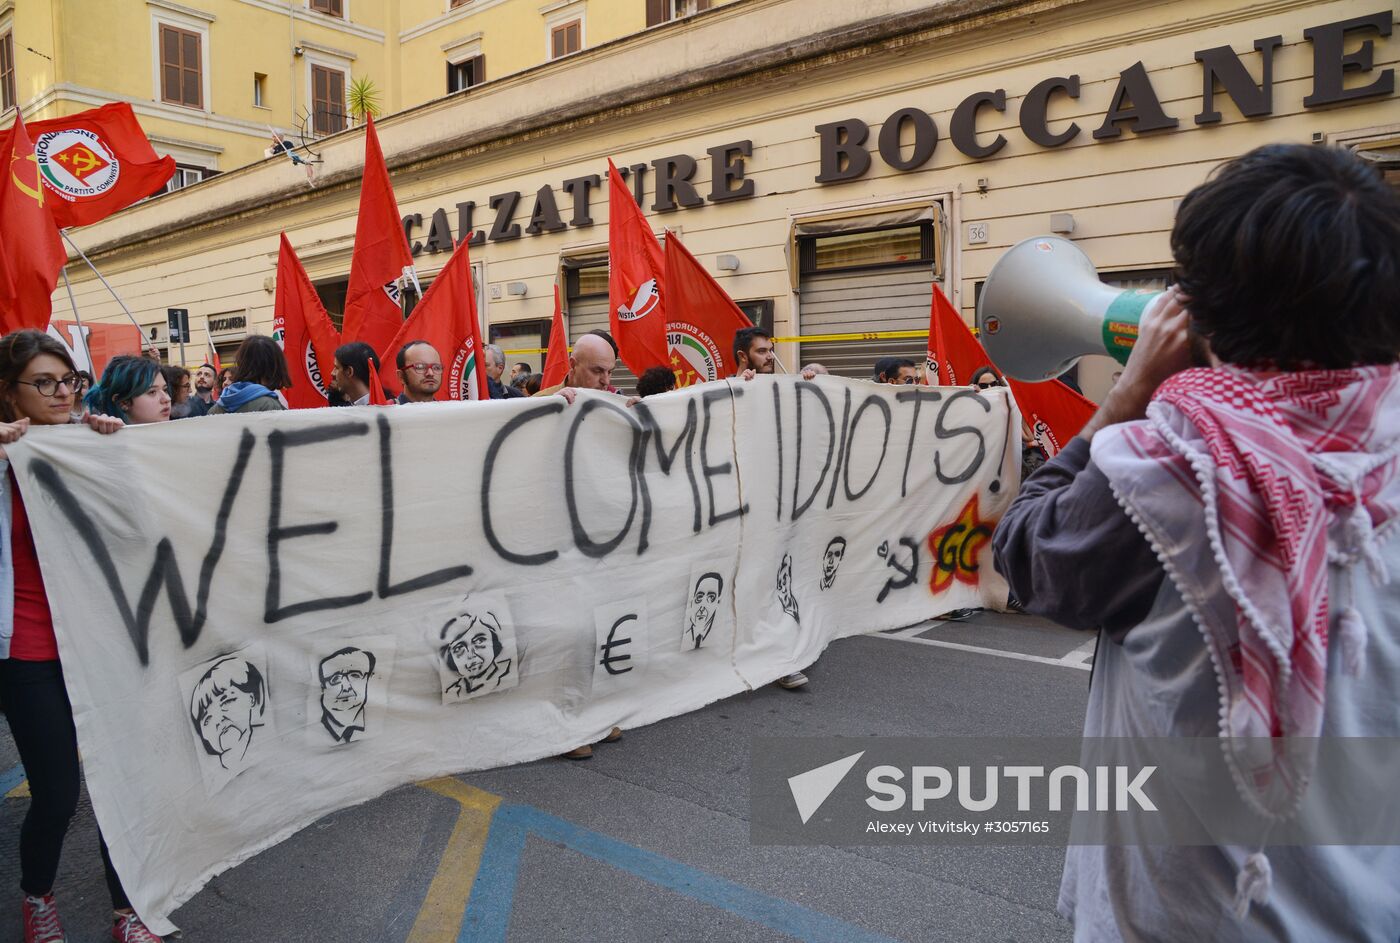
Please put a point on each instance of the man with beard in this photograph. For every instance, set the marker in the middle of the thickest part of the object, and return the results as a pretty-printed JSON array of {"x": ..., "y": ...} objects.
[
  {"x": 420, "y": 372},
  {"x": 205, "y": 380},
  {"x": 345, "y": 677},
  {"x": 753, "y": 352}
]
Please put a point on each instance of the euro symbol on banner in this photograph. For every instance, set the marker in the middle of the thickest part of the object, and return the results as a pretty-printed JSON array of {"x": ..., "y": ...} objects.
[
  {"x": 614, "y": 642},
  {"x": 36, "y": 194}
]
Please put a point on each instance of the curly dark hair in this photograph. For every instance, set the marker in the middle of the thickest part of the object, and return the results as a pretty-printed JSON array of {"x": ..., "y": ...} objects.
[{"x": 1290, "y": 256}]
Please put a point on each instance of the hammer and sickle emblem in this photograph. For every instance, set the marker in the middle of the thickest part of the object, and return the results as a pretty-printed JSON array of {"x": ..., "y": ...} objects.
[
  {"x": 36, "y": 194},
  {"x": 84, "y": 160}
]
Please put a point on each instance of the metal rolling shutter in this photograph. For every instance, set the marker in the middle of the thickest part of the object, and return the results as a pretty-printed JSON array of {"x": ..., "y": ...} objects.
[
  {"x": 590, "y": 313},
  {"x": 882, "y": 300}
]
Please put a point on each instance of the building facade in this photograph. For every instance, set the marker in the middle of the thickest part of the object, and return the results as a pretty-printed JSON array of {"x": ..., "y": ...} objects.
[
  {"x": 211, "y": 79},
  {"x": 829, "y": 162}
]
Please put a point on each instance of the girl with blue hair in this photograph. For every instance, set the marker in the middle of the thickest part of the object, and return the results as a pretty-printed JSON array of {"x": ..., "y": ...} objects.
[{"x": 133, "y": 390}]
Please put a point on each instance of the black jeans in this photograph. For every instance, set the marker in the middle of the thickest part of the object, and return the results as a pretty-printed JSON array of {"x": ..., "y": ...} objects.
[{"x": 41, "y": 719}]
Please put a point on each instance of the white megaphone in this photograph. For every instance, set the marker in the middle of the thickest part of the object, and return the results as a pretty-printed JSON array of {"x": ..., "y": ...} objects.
[{"x": 1043, "y": 307}]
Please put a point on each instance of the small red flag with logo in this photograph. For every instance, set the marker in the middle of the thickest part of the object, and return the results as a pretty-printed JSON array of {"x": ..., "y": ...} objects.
[
  {"x": 556, "y": 363},
  {"x": 1054, "y": 412},
  {"x": 381, "y": 259},
  {"x": 31, "y": 252},
  {"x": 701, "y": 319},
  {"x": 636, "y": 270},
  {"x": 953, "y": 353},
  {"x": 97, "y": 162},
  {"x": 300, "y": 324},
  {"x": 445, "y": 318}
]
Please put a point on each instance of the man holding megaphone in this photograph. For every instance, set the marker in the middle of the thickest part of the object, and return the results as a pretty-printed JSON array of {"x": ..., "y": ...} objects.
[{"x": 1222, "y": 522}]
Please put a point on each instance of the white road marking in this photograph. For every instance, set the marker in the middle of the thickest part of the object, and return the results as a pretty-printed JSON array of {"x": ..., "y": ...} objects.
[{"x": 1078, "y": 659}]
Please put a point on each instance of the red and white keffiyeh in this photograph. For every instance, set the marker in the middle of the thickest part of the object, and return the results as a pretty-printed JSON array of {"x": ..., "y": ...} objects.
[{"x": 1248, "y": 483}]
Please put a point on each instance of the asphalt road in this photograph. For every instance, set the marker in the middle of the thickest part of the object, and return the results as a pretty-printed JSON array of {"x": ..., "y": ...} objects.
[{"x": 649, "y": 840}]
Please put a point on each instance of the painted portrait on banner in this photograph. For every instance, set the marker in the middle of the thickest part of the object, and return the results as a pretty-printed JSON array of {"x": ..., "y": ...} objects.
[
  {"x": 349, "y": 688},
  {"x": 476, "y": 650},
  {"x": 226, "y": 701},
  {"x": 623, "y": 637},
  {"x": 708, "y": 613},
  {"x": 784, "y": 589}
]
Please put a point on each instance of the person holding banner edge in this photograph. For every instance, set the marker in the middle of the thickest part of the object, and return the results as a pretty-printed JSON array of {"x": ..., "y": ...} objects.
[{"x": 37, "y": 387}]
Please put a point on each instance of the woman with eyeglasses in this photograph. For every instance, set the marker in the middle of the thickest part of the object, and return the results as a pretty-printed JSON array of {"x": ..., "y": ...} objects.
[
  {"x": 38, "y": 383},
  {"x": 133, "y": 389}
]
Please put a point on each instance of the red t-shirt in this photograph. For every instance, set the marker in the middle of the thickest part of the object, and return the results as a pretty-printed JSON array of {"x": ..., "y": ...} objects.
[{"x": 33, "y": 639}]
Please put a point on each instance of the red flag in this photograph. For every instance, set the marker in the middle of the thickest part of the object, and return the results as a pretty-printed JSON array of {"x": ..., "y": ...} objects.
[
  {"x": 97, "y": 162},
  {"x": 953, "y": 353},
  {"x": 636, "y": 313},
  {"x": 556, "y": 362},
  {"x": 376, "y": 390},
  {"x": 31, "y": 252},
  {"x": 1054, "y": 412},
  {"x": 373, "y": 313},
  {"x": 701, "y": 319},
  {"x": 445, "y": 318},
  {"x": 300, "y": 324},
  {"x": 212, "y": 358}
]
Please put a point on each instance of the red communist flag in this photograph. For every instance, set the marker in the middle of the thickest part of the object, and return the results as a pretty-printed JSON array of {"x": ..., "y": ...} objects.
[
  {"x": 373, "y": 313},
  {"x": 300, "y": 324},
  {"x": 97, "y": 162},
  {"x": 636, "y": 312},
  {"x": 953, "y": 353},
  {"x": 445, "y": 318},
  {"x": 31, "y": 252},
  {"x": 701, "y": 319},
  {"x": 556, "y": 362},
  {"x": 1054, "y": 412}
]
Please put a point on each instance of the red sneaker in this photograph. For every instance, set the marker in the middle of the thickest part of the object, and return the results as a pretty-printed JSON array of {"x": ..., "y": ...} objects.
[
  {"x": 41, "y": 923},
  {"x": 130, "y": 929}
]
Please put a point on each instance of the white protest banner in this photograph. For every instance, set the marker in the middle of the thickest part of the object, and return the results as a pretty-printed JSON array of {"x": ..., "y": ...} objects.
[{"x": 331, "y": 603}]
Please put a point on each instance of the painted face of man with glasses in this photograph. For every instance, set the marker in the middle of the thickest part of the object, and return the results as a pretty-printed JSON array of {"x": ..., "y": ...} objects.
[
  {"x": 345, "y": 677},
  {"x": 420, "y": 372}
]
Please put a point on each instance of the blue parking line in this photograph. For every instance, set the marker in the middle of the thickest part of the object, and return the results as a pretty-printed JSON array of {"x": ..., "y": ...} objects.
[
  {"x": 11, "y": 778},
  {"x": 488, "y": 912}
]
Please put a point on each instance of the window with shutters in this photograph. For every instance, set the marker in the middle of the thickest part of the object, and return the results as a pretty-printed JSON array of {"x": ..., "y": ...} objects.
[
  {"x": 7, "y": 71},
  {"x": 329, "y": 7},
  {"x": 466, "y": 73},
  {"x": 565, "y": 38},
  {"x": 663, "y": 11},
  {"x": 181, "y": 76},
  {"x": 327, "y": 100}
]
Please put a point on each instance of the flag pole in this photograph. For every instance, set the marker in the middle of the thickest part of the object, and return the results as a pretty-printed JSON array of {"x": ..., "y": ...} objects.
[
  {"x": 83, "y": 255},
  {"x": 82, "y": 334}
]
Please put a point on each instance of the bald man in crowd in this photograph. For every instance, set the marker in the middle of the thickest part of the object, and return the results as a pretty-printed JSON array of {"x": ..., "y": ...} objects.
[{"x": 591, "y": 365}]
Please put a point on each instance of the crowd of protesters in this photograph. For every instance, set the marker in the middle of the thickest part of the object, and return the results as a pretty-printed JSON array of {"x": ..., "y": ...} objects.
[{"x": 1327, "y": 388}]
